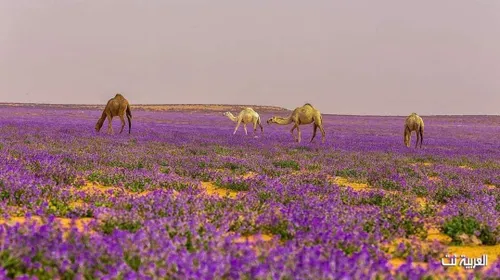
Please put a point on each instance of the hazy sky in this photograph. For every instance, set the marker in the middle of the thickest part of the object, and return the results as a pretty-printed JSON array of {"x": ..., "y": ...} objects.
[{"x": 344, "y": 57}]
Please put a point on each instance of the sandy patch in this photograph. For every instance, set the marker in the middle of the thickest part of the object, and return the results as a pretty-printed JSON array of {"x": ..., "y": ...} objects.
[
  {"x": 435, "y": 234},
  {"x": 421, "y": 201},
  {"x": 92, "y": 188},
  {"x": 465, "y": 167},
  {"x": 211, "y": 189},
  {"x": 253, "y": 238},
  {"x": 249, "y": 175},
  {"x": 259, "y": 243},
  {"x": 345, "y": 182},
  {"x": 422, "y": 163},
  {"x": 434, "y": 178},
  {"x": 396, "y": 263},
  {"x": 65, "y": 223},
  {"x": 77, "y": 204},
  {"x": 491, "y": 187},
  {"x": 95, "y": 188}
]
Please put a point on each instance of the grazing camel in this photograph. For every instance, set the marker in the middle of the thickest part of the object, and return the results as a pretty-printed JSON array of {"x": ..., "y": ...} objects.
[
  {"x": 116, "y": 106},
  {"x": 302, "y": 115},
  {"x": 414, "y": 123},
  {"x": 247, "y": 115}
]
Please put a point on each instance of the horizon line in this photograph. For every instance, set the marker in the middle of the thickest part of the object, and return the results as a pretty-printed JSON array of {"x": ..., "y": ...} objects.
[{"x": 213, "y": 104}]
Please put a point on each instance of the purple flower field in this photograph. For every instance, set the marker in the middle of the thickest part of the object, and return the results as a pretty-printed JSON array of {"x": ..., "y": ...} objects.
[{"x": 183, "y": 198}]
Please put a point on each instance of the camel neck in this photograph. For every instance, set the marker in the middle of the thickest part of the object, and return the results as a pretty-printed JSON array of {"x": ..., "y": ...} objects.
[
  {"x": 284, "y": 120},
  {"x": 232, "y": 117}
]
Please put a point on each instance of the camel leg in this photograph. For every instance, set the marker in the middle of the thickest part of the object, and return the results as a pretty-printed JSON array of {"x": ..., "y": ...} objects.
[
  {"x": 236, "y": 128},
  {"x": 245, "y": 128},
  {"x": 110, "y": 127},
  {"x": 418, "y": 139},
  {"x": 315, "y": 128},
  {"x": 421, "y": 138},
  {"x": 299, "y": 134},
  {"x": 261, "y": 128},
  {"x": 254, "y": 127},
  {"x": 291, "y": 131},
  {"x": 323, "y": 136},
  {"x": 122, "y": 118}
]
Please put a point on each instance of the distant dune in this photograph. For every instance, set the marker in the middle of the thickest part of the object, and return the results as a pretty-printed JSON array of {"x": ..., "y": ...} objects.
[{"x": 158, "y": 107}]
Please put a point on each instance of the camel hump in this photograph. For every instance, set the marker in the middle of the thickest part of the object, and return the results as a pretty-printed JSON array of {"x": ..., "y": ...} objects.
[{"x": 308, "y": 104}]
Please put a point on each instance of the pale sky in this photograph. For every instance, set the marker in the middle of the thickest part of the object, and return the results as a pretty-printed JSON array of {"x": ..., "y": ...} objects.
[{"x": 371, "y": 57}]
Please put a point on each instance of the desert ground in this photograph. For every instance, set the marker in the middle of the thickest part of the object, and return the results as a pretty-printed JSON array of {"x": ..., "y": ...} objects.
[{"x": 181, "y": 197}]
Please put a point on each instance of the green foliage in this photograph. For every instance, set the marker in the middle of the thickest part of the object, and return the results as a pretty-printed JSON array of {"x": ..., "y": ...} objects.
[
  {"x": 377, "y": 199},
  {"x": 350, "y": 173},
  {"x": 134, "y": 261},
  {"x": 264, "y": 196},
  {"x": 271, "y": 172},
  {"x": 175, "y": 185},
  {"x": 197, "y": 152},
  {"x": 110, "y": 225},
  {"x": 445, "y": 194},
  {"x": 126, "y": 165},
  {"x": 390, "y": 185},
  {"x": 423, "y": 159},
  {"x": 287, "y": 164},
  {"x": 420, "y": 191},
  {"x": 348, "y": 249},
  {"x": 189, "y": 242},
  {"x": 106, "y": 180},
  {"x": 314, "y": 167},
  {"x": 223, "y": 151},
  {"x": 233, "y": 166},
  {"x": 410, "y": 172},
  {"x": 165, "y": 170},
  {"x": 12, "y": 264},
  {"x": 138, "y": 185},
  {"x": 458, "y": 225},
  {"x": 280, "y": 228},
  {"x": 428, "y": 210},
  {"x": 234, "y": 185},
  {"x": 58, "y": 207}
]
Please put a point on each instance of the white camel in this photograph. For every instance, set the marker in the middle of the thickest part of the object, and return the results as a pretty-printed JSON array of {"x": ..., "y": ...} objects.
[{"x": 246, "y": 116}]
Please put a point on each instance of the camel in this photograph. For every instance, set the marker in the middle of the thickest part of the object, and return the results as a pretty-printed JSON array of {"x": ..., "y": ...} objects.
[
  {"x": 414, "y": 123},
  {"x": 116, "y": 106},
  {"x": 306, "y": 114},
  {"x": 247, "y": 115}
]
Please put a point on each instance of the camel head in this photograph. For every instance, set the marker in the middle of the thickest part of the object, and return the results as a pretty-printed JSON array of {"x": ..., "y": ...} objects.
[
  {"x": 407, "y": 137},
  {"x": 98, "y": 125},
  {"x": 271, "y": 120},
  {"x": 227, "y": 114}
]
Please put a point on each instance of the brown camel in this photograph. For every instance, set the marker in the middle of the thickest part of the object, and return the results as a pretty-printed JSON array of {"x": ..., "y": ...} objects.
[
  {"x": 414, "y": 123},
  {"x": 116, "y": 106},
  {"x": 247, "y": 115},
  {"x": 302, "y": 115}
]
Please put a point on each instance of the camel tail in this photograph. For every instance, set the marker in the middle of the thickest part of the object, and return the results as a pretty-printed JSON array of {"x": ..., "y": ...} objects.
[{"x": 129, "y": 117}]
